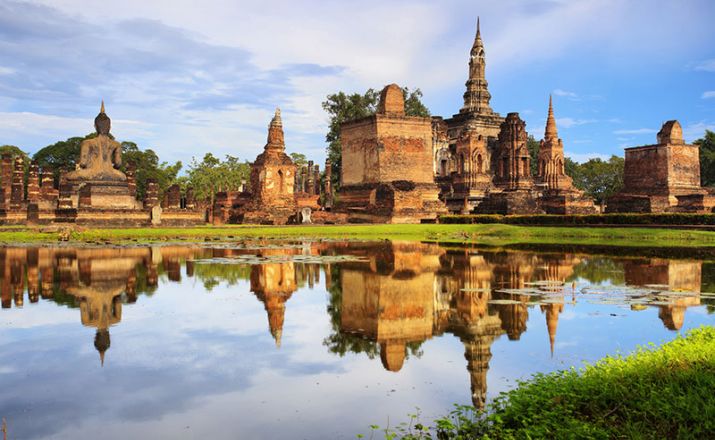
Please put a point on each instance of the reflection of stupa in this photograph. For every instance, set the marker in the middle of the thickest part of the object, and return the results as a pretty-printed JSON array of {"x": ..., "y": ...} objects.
[
  {"x": 273, "y": 284},
  {"x": 552, "y": 312},
  {"x": 678, "y": 275}
]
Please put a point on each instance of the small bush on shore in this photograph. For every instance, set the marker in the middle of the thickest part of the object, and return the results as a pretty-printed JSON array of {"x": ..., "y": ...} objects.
[{"x": 654, "y": 393}]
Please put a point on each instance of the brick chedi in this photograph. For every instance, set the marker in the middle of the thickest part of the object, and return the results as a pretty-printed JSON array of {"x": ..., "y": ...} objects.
[
  {"x": 662, "y": 177},
  {"x": 387, "y": 172},
  {"x": 272, "y": 181},
  {"x": 476, "y": 113},
  {"x": 559, "y": 194},
  {"x": 514, "y": 190}
]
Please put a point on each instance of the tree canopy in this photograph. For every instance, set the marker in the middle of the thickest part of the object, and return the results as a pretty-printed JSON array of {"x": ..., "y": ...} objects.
[
  {"x": 13, "y": 151},
  {"x": 60, "y": 155},
  {"x": 148, "y": 167},
  {"x": 213, "y": 174},
  {"x": 342, "y": 107},
  {"x": 707, "y": 158},
  {"x": 598, "y": 178}
]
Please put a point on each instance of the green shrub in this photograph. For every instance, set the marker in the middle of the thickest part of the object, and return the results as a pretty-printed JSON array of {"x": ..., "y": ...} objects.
[
  {"x": 586, "y": 219},
  {"x": 654, "y": 393}
]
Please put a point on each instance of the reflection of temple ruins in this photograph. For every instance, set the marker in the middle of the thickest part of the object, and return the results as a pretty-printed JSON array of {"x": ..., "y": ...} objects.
[
  {"x": 97, "y": 281},
  {"x": 397, "y": 296},
  {"x": 677, "y": 276},
  {"x": 409, "y": 292}
]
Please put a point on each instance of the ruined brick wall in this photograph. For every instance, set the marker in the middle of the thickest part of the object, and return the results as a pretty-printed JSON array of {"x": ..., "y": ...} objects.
[
  {"x": 387, "y": 148},
  {"x": 684, "y": 166},
  {"x": 405, "y": 149},
  {"x": 646, "y": 170},
  {"x": 360, "y": 162}
]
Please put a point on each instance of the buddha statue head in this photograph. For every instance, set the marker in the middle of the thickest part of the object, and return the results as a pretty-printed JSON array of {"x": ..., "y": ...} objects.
[{"x": 102, "y": 123}]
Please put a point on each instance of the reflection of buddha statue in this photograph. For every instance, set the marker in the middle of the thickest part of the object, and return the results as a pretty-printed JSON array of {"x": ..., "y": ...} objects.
[{"x": 100, "y": 157}]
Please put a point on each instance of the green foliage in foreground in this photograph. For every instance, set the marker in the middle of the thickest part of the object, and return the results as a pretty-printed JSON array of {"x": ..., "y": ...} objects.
[
  {"x": 664, "y": 392},
  {"x": 490, "y": 234},
  {"x": 583, "y": 219}
]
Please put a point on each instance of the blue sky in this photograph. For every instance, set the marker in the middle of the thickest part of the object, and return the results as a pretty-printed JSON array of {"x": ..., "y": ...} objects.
[{"x": 185, "y": 79}]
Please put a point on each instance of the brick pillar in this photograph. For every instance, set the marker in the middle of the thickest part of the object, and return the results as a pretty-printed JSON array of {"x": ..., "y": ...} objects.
[
  {"x": 303, "y": 179},
  {"x": 328, "y": 188},
  {"x": 33, "y": 183},
  {"x": 6, "y": 175},
  {"x": 64, "y": 201},
  {"x": 173, "y": 197},
  {"x": 48, "y": 192},
  {"x": 310, "y": 182},
  {"x": 131, "y": 179},
  {"x": 190, "y": 199},
  {"x": 316, "y": 179},
  {"x": 85, "y": 196},
  {"x": 17, "y": 193},
  {"x": 151, "y": 198}
]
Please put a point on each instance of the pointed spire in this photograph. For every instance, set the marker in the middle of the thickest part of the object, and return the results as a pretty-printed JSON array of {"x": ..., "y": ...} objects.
[
  {"x": 478, "y": 39},
  {"x": 101, "y": 358},
  {"x": 277, "y": 118},
  {"x": 101, "y": 110},
  {"x": 551, "y": 132},
  {"x": 275, "y": 132}
]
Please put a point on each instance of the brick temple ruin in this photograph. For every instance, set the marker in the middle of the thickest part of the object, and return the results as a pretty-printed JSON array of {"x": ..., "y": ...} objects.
[
  {"x": 401, "y": 169},
  {"x": 395, "y": 169},
  {"x": 96, "y": 193},
  {"x": 664, "y": 177}
]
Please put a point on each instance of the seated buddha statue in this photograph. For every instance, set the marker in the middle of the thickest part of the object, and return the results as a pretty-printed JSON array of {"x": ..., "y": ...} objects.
[{"x": 101, "y": 156}]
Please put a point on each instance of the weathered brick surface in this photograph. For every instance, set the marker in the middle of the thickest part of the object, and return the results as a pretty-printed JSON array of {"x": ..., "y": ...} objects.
[{"x": 660, "y": 173}]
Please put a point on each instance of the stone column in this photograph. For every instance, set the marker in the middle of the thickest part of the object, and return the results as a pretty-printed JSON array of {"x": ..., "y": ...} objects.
[
  {"x": 33, "y": 183},
  {"x": 310, "y": 181},
  {"x": 328, "y": 186},
  {"x": 17, "y": 193},
  {"x": 64, "y": 201},
  {"x": 6, "y": 175},
  {"x": 151, "y": 198},
  {"x": 173, "y": 197},
  {"x": 316, "y": 179},
  {"x": 48, "y": 192},
  {"x": 303, "y": 178},
  {"x": 131, "y": 179}
]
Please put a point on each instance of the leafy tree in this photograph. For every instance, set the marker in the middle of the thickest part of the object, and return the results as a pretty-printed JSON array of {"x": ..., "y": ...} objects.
[
  {"x": 212, "y": 175},
  {"x": 600, "y": 179},
  {"x": 148, "y": 167},
  {"x": 13, "y": 151},
  {"x": 570, "y": 166},
  {"x": 299, "y": 159},
  {"x": 60, "y": 155},
  {"x": 533, "y": 146},
  {"x": 342, "y": 107},
  {"x": 707, "y": 158}
]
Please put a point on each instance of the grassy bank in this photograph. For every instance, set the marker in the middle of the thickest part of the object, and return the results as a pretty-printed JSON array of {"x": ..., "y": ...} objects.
[
  {"x": 654, "y": 393},
  {"x": 489, "y": 234}
]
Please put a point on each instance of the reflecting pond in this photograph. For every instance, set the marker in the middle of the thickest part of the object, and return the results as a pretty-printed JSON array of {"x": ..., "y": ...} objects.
[{"x": 309, "y": 339}]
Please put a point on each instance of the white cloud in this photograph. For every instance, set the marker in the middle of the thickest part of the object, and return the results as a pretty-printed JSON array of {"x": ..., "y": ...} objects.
[
  {"x": 706, "y": 66},
  {"x": 709, "y": 94},
  {"x": 6, "y": 71},
  {"x": 696, "y": 130},
  {"x": 636, "y": 131},
  {"x": 560, "y": 92},
  {"x": 572, "y": 122}
]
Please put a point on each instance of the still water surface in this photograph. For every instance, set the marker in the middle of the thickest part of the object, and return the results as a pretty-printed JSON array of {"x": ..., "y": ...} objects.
[{"x": 309, "y": 340}]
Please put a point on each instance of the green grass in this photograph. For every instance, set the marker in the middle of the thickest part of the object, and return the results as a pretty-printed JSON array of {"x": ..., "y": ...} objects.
[
  {"x": 488, "y": 234},
  {"x": 654, "y": 393}
]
